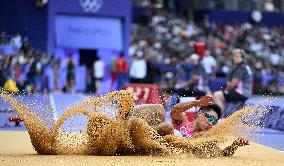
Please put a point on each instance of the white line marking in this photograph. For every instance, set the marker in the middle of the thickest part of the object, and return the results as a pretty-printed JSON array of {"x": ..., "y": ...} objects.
[{"x": 53, "y": 107}]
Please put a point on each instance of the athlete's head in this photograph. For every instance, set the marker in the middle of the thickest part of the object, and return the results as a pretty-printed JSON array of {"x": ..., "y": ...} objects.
[{"x": 208, "y": 116}]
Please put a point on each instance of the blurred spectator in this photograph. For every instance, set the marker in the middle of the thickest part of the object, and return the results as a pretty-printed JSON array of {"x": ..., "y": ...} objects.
[
  {"x": 152, "y": 72},
  {"x": 121, "y": 68},
  {"x": 16, "y": 43},
  {"x": 138, "y": 69},
  {"x": 3, "y": 42},
  {"x": 197, "y": 86},
  {"x": 239, "y": 86},
  {"x": 32, "y": 76},
  {"x": 258, "y": 77},
  {"x": 7, "y": 67},
  {"x": 44, "y": 82},
  {"x": 56, "y": 66},
  {"x": 3, "y": 79},
  {"x": 26, "y": 45},
  {"x": 112, "y": 72},
  {"x": 209, "y": 63},
  {"x": 99, "y": 73},
  {"x": 70, "y": 76},
  {"x": 18, "y": 72}
]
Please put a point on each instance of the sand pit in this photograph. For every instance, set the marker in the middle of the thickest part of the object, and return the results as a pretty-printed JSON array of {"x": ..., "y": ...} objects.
[
  {"x": 108, "y": 136},
  {"x": 16, "y": 149}
]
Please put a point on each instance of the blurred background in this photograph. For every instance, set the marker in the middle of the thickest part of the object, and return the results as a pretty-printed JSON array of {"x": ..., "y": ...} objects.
[{"x": 49, "y": 45}]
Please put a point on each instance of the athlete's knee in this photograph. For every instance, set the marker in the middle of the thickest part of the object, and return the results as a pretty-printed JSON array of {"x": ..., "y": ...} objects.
[{"x": 165, "y": 129}]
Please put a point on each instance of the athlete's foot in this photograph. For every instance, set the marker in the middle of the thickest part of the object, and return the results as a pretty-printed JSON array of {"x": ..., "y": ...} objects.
[
  {"x": 241, "y": 142},
  {"x": 230, "y": 150}
]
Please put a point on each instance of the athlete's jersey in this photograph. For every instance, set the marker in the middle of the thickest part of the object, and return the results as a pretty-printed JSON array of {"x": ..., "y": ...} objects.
[{"x": 185, "y": 128}]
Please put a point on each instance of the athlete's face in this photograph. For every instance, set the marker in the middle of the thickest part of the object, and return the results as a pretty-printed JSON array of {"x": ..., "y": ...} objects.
[{"x": 203, "y": 123}]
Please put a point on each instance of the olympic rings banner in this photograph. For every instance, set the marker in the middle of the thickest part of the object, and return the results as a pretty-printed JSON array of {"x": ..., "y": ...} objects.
[
  {"x": 91, "y": 5},
  {"x": 144, "y": 93}
]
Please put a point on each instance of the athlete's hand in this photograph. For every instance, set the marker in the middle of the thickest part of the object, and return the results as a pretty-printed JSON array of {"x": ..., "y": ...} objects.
[
  {"x": 241, "y": 142},
  {"x": 206, "y": 100}
]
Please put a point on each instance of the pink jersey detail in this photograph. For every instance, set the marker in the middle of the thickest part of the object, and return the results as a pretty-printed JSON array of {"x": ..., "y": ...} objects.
[{"x": 185, "y": 128}]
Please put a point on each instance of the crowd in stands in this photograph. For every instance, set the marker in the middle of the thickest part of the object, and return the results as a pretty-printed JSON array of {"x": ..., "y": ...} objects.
[
  {"x": 22, "y": 67},
  {"x": 163, "y": 49},
  {"x": 168, "y": 40}
]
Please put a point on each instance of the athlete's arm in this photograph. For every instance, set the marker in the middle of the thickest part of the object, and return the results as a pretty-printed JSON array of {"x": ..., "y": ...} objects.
[{"x": 178, "y": 109}]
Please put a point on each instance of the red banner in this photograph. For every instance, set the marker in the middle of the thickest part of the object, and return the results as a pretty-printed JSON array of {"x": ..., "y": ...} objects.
[{"x": 144, "y": 93}]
